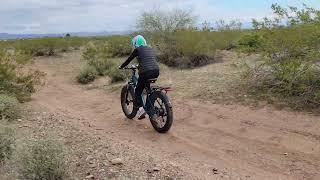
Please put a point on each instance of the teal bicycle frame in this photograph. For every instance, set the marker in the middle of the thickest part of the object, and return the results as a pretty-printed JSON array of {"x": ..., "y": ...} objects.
[{"x": 147, "y": 105}]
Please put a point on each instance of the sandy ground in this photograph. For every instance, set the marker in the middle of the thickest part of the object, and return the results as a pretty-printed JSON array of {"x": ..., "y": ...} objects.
[{"x": 207, "y": 141}]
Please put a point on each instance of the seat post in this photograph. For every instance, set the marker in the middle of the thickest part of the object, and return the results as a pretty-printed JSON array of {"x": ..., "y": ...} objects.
[{"x": 148, "y": 87}]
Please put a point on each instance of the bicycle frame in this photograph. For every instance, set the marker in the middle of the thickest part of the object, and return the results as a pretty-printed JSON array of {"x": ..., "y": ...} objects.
[
  {"x": 146, "y": 102},
  {"x": 154, "y": 100}
]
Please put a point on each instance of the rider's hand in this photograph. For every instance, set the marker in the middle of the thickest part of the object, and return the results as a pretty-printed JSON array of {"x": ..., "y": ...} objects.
[{"x": 120, "y": 67}]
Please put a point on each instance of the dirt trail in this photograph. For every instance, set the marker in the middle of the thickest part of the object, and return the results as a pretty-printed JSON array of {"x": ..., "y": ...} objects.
[{"x": 240, "y": 142}]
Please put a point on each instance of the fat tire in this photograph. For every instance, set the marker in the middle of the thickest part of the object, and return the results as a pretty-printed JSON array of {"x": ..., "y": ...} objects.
[
  {"x": 128, "y": 89},
  {"x": 165, "y": 99}
]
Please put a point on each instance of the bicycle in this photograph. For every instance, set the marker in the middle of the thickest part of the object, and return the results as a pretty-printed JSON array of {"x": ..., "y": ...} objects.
[{"x": 155, "y": 102}]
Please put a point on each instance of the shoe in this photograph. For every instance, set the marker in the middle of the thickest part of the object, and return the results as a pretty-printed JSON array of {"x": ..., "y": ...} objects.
[{"x": 141, "y": 113}]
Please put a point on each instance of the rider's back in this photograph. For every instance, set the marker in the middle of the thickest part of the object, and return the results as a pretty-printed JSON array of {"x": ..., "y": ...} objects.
[{"x": 146, "y": 58}]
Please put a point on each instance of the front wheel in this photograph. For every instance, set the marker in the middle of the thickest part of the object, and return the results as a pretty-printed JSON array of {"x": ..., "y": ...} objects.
[
  {"x": 162, "y": 117},
  {"x": 127, "y": 101}
]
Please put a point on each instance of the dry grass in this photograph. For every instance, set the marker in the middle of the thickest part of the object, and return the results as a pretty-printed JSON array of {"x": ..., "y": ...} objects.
[
  {"x": 215, "y": 82},
  {"x": 42, "y": 158},
  {"x": 7, "y": 141}
]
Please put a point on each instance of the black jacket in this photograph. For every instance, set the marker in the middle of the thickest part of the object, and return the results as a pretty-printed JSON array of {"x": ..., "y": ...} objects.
[{"x": 146, "y": 59}]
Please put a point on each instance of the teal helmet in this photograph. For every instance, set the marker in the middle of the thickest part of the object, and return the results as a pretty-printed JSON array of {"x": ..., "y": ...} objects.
[{"x": 138, "y": 41}]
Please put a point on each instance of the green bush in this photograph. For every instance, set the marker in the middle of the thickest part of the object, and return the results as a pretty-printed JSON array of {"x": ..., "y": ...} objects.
[
  {"x": 9, "y": 107},
  {"x": 7, "y": 141},
  {"x": 98, "y": 57},
  {"x": 251, "y": 43},
  {"x": 118, "y": 75},
  {"x": 102, "y": 66},
  {"x": 12, "y": 80},
  {"x": 191, "y": 48},
  {"x": 42, "y": 159},
  {"x": 119, "y": 46},
  {"x": 289, "y": 68},
  {"x": 87, "y": 74}
]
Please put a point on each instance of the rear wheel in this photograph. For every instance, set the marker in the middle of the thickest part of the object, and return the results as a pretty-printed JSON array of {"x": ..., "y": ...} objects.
[
  {"x": 163, "y": 115},
  {"x": 127, "y": 100}
]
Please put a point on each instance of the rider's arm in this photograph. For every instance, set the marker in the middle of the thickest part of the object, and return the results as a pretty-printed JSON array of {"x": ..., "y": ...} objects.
[{"x": 130, "y": 58}]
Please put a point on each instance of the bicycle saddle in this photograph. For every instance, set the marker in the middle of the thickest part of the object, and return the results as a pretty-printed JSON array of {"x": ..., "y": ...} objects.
[{"x": 152, "y": 80}]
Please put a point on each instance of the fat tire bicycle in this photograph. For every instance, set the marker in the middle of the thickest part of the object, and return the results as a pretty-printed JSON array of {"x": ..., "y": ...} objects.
[{"x": 155, "y": 102}]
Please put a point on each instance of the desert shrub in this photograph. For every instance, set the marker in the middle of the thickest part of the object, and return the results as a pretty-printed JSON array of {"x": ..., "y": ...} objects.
[
  {"x": 222, "y": 25},
  {"x": 185, "y": 61},
  {"x": 7, "y": 140},
  {"x": 289, "y": 68},
  {"x": 36, "y": 47},
  {"x": 44, "y": 46},
  {"x": 190, "y": 43},
  {"x": 87, "y": 74},
  {"x": 191, "y": 48},
  {"x": 119, "y": 46},
  {"x": 98, "y": 57},
  {"x": 104, "y": 65},
  {"x": 42, "y": 159},
  {"x": 26, "y": 84},
  {"x": 9, "y": 107},
  {"x": 14, "y": 80},
  {"x": 118, "y": 75},
  {"x": 250, "y": 43},
  {"x": 90, "y": 52}
]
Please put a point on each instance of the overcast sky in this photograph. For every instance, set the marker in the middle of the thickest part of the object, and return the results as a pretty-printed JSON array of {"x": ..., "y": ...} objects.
[{"x": 60, "y": 16}]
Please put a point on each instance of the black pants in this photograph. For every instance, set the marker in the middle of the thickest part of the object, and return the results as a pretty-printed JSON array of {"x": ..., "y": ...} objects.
[{"x": 142, "y": 83}]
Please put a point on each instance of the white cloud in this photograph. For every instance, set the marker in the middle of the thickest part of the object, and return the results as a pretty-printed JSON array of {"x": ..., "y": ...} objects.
[{"x": 54, "y": 16}]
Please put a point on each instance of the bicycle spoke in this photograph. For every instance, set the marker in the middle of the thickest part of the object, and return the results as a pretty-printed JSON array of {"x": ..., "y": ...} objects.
[
  {"x": 159, "y": 103},
  {"x": 160, "y": 116}
]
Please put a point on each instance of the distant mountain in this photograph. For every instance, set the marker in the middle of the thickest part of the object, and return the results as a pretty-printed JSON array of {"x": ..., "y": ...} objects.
[
  {"x": 6, "y": 36},
  {"x": 105, "y": 33}
]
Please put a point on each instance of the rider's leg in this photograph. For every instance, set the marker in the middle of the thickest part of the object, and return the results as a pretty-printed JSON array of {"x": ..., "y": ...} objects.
[
  {"x": 138, "y": 91},
  {"x": 142, "y": 81}
]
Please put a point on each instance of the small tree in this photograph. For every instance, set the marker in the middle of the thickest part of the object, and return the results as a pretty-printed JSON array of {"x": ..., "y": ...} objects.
[
  {"x": 291, "y": 16},
  {"x": 165, "y": 21},
  {"x": 206, "y": 26},
  {"x": 222, "y": 25}
]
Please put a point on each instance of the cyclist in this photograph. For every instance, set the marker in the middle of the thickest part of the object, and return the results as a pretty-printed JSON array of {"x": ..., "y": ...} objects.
[{"x": 148, "y": 69}]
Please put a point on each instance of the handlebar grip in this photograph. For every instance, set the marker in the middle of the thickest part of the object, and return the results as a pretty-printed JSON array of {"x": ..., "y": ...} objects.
[{"x": 132, "y": 67}]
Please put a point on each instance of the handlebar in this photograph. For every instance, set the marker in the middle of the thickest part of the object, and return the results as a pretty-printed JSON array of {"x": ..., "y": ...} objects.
[{"x": 133, "y": 67}]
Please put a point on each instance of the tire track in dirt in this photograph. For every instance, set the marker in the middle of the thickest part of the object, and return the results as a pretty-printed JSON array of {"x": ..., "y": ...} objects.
[{"x": 239, "y": 141}]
